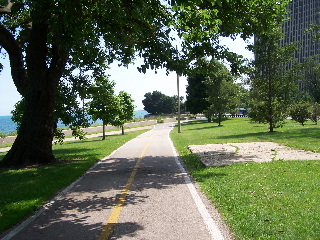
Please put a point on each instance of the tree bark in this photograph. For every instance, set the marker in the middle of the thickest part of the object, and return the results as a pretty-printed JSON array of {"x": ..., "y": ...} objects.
[
  {"x": 219, "y": 118},
  {"x": 18, "y": 72},
  {"x": 33, "y": 144},
  {"x": 103, "y": 130}
]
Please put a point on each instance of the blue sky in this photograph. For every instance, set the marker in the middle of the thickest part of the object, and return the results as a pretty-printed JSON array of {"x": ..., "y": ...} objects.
[{"x": 126, "y": 79}]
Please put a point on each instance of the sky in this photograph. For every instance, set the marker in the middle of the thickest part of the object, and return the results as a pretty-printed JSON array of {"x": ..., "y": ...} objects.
[{"x": 126, "y": 79}]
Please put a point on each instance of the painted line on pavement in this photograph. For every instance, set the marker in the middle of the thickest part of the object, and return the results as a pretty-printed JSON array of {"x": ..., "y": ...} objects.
[
  {"x": 208, "y": 220},
  {"x": 115, "y": 215},
  {"x": 46, "y": 206}
]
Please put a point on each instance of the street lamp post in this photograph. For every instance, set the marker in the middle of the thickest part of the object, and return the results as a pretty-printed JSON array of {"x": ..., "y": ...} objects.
[{"x": 179, "y": 113}]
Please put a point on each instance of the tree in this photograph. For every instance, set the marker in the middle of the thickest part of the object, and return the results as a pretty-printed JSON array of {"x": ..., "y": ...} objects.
[
  {"x": 158, "y": 103},
  {"x": 168, "y": 105},
  {"x": 104, "y": 104},
  {"x": 196, "y": 94},
  {"x": 44, "y": 39},
  {"x": 67, "y": 110},
  {"x": 273, "y": 79},
  {"x": 125, "y": 111},
  {"x": 201, "y": 23},
  {"x": 47, "y": 39},
  {"x": 152, "y": 101},
  {"x": 315, "y": 113},
  {"x": 301, "y": 112},
  {"x": 311, "y": 80},
  {"x": 222, "y": 91},
  {"x": 176, "y": 102},
  {"x": 315, "y": 30},
  {"x": 244, "y": 98}
]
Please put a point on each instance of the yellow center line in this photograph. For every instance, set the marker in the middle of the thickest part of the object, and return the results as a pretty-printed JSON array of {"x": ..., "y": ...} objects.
[{"x": 113, "y": 219}]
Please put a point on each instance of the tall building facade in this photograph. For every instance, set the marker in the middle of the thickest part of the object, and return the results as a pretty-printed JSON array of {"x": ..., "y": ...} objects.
[{"x": 303, "y": 13}]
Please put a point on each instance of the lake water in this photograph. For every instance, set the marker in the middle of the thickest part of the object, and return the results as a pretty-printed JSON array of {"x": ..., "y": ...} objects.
[{"x": 7, "y": 125}]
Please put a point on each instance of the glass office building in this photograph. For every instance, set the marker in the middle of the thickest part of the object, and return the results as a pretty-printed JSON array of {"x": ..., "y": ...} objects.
[{"x": 303, "y": 13}]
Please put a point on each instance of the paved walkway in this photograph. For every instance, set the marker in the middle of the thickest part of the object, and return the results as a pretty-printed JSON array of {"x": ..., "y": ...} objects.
[{"x": 141, "y": 191}]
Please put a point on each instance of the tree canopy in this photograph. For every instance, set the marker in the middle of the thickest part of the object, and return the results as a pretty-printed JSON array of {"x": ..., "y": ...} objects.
[
  {"x": 223, "y": 92},
  {"x": 51, "y": 43},
  {"x": 126, "y": 109},
  {"x": 104, "y": 104},
  {"x": 273, "y": 80},
  {"x": 197, "y": 94},
  {"x": 158, "y": 103},
  {"x": 311, "y": 80}
]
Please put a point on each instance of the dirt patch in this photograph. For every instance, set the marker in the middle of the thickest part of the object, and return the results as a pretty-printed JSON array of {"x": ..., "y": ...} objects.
[{"x": 236, "y": 153}]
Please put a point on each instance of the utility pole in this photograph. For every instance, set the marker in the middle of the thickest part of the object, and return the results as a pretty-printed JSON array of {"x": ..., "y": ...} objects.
[{"x": 179, "y": 113}]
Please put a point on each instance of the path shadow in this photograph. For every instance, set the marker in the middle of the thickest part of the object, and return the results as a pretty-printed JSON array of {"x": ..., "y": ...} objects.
[
  {"x": 128, "y": 229},
  {"x": 74, "y": 215}
]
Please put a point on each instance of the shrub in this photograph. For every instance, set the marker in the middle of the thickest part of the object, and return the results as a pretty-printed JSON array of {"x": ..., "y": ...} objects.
[
  {"x": 2, "y": 135},
  {"x": 315, "y": 113},
  {"x": 301, "y": 112}
]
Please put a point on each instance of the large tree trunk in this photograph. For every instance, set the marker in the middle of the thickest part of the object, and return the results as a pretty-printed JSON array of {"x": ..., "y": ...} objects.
[
  {"x": 34, "y": 141},
  {"x": 33, "y": 144}
]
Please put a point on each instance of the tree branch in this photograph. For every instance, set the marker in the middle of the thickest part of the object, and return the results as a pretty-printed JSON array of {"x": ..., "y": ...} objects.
[
  {"x": 6, "y": 9},
  {"x": 58, "y": 62},
  {"x": 18, "y": 72}
]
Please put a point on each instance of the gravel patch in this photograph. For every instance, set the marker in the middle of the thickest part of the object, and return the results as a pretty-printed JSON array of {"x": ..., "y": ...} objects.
[{"x": 237, "y": 153}]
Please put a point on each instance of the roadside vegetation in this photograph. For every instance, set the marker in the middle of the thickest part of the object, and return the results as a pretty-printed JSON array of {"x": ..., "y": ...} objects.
[
  {"x": 274, "y": 200},
  {"x": 23, "y": 191},
  {"x": 3, "y": 134}
]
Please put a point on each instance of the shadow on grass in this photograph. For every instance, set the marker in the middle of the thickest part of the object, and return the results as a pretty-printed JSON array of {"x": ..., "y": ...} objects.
[
  {"x": 197, "y": 168},
  {"x": 194, "y": 122},
  {"x": 250, "y": 135},
  {"x": 66, "y": 154},
  {"x": 95, "y": 139},
  {"x": 199, "y": 123},
  {"x": 202, "y": 176},
  {"x": 311, "y": 133},
  {"x": 75, "y": 153},
  {"x": 2, "y": 155}
]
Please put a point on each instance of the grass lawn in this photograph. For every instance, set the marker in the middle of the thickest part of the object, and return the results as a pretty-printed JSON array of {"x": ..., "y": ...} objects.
[
  {"x": 274, "y": 200},
  {"x": 24, "y": 191}
]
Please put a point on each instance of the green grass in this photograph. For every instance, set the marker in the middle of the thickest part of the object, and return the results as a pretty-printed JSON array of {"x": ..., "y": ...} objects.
[
  {"x": 274, "y": 200},
  {"x": 24, "y": 191},
  {"x": 91, "y": 133},
  {"x": 241, "y": 130},
  {"x": 6, "y": 145}
]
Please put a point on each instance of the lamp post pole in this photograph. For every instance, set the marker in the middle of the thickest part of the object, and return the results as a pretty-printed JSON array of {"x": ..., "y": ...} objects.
[{"x": 179, "y": 112}]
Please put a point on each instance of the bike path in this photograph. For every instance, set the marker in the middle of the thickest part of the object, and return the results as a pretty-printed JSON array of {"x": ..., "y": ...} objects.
[{"x": 138, "y": 192}]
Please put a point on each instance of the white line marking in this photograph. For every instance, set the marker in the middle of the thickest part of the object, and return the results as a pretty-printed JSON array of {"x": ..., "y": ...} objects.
[{"x": 210, "y": 223}]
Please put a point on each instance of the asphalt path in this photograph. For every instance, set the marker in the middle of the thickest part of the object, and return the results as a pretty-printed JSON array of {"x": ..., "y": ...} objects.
[{"x": 141, "y": 191}]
